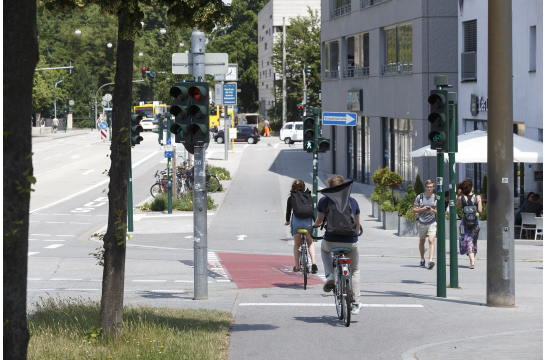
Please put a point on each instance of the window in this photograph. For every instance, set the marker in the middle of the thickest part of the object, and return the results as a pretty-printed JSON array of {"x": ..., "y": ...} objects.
[
  {"x": 350, "y": 52},
  {"x": 357, "y": 56},
  {"x": 270, "y": 17},
  {"x": 288, "y": 126},
  {"x": 266, "y": 87},
  {"x": 263, "y": 26},
  {"x": 262, "y": 83},
  {"x": 298, "y": 126},
  {"x": 261, "y": 63},
  {"x": 270, "y": 71},
  {"x": 339, "y": 7},
  {"x": 399, "y": 50},
  {"x": 469, "y": 56},
  {"x": 532, "y": 48},
  {"x": 332, "y": 60},
  {"x": 265, "y": 46},
  {"x": 267, "y": 63},
  {"x": 267, "y": 32}
]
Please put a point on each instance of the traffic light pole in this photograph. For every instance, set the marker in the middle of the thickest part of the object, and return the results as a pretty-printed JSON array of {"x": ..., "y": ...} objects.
[
  {"x": 200, "y": 235},
  {"x": 168, "y": 172},
  {"x": 453, "y": 118},
  {"x": 130, "y": 222},
  {"x": 441, "y": 251},
  {"x": 315, "y": 174}
]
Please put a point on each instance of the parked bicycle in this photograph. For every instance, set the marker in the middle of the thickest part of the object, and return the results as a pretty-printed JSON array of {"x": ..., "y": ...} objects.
[{"x": 161, "y": 183}]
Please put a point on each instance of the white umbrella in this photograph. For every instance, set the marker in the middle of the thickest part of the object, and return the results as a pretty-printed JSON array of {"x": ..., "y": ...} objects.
[{"x": 473, "y": 148}]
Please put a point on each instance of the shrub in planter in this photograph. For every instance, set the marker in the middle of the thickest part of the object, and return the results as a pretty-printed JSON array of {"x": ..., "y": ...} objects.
[
  {"x": 386, "y": 206},
  {"x": 410, "y": 216},
  {"x": 160, "y": 203},
  {"x": 407, "y": 225},
  {"x": 378, "y": 175},
  {"x": 407, "y": 202},
  {"x": 418, "y": 186},
  {"x": 393, "y": 181}
]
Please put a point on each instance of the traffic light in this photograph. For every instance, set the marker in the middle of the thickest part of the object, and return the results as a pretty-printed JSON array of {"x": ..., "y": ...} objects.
[
  {"x": 300, "y": 110},
  {"x": 143, "y": 72},
  {"x": 323, "y": 144},
  {"x": 309, "y": 132},
  {"x": 438, "y": 119},
  {"x": 182, "y": 120},
  {"x": 198, "y": 111},
  {"x": 136, "y": 129},
  {"x": 307, "y": 71},
  {"x": 159, "y": 123}
]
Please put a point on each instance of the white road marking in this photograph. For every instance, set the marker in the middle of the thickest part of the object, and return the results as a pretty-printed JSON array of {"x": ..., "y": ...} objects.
[
  {"x": 241, "y": 237},
  {"x": 32, "y": 239},
  {"x": 47, "y": 158},
  {"x": 161, "y": 216},
  {"x": 54, "y": 246},
  {"x": 126, "y": 290},
  {"x": 66, "y": 235},
  {"x": 188, "y": 237},
  {"x": 188, "y": 281},
  {"x": 54, "y": 222},
  {"x": 245, "y": 146},
  {"x": 74, "y": 157},
  {"x": 32, "y": 253},
  {"x": 57, "y": 279},
  {"x": 80, "y": 223},
  {"x": 54, "y": 240},
  {"x": 276, "y": 145},
  {"x": 87, "y": 172},
  {"x": 322, "y": 304},
  {"x": 148, "y": 280},
  {"x": 40, "y": 235},
  {"x": 41, "y": 214},
  {"x": 83, "y": 215},
  {"x": 59, "y": 155},
  {"x": 57, "y": 214},
  {"x": 102, "y": 215},
  {"x": 208, "y": 154}
]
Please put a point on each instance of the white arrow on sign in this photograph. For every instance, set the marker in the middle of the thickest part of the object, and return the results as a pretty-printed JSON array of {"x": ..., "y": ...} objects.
[
  {"x": 346, "y": 119},
  {"x": 87, "y": 172},
  {"x": 241, "y": 237}
]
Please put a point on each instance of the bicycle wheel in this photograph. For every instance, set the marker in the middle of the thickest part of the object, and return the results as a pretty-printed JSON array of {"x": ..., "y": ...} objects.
[
  {"x": 304, "y": 264},
  {"x": 155, "y": 189},
  {"x": 338, "y": 295},
  {"x": 347, "y": 301},
  {"x": 212, "y": 183}
]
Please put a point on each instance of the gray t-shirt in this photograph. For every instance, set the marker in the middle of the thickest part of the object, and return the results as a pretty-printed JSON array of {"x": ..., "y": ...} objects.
[{"x": 426, "y": 217}]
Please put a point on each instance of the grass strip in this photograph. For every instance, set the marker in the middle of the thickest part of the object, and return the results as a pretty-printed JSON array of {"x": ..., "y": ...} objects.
[{"x": 66, "y": 329}]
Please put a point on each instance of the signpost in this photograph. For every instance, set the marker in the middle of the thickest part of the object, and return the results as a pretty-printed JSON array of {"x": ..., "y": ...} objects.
[
  {"x": 229, "y": 94},
  {"x": 214, "y": 63},
  {"x": 231, "y": 75},
  {"x": 339, "y": 118}
]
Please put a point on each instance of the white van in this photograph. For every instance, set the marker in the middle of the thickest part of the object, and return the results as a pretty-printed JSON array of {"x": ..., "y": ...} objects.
[{"x": 291, "y": 132}]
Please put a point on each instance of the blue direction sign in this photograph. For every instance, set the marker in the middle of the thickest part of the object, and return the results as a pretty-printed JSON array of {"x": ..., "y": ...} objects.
[
  {"x": 230, "y": 94},
  {"x": 339, "y": 118},
  {"x": 235, "y": 109},
  {"x": 103, "y": 125}
]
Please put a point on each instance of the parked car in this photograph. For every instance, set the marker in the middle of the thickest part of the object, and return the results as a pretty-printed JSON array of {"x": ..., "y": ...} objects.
[
  {"x": 148, "y": 125},
  {"x": 291, "y": 132},
  {"x": 244, "y": 133}
]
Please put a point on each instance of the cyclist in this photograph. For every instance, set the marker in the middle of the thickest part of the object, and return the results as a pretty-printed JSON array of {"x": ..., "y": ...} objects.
[
  {"x": 331, "y": 241},
  {"x": 301, "y": 219}
]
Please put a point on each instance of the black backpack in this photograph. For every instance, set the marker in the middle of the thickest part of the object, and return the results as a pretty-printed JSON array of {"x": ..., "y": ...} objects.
[
  {"x": 302, "y": 204},
  {"x": 340, "y": 219},
  {"x": 470, "y": 213}
]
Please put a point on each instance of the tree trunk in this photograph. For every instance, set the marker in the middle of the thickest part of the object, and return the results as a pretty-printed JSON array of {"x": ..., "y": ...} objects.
[
  {"x": 113, "y": 278},
  {"x": 21, "y": 49}
]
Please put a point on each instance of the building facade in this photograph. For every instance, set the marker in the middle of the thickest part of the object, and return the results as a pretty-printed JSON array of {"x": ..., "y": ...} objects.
[
  {"x": 270, "y": 21},
  {"x": 527, "y": 82},
  {"x": 379, "y": 59}
]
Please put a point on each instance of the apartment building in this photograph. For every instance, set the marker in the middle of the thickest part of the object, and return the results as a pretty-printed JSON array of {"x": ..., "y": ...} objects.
[
  {"x": 527, "y": 82},
  {"x": 270, "y": 31},
  {"x": 379, "y": 59}
]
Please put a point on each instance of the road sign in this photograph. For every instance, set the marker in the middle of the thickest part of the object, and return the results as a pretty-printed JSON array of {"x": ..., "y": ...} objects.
[
  {"x": 104, "y": 103},
  {"x": 218, "y": 94},
  {"x": 339, "y": 118},
  {"x": 71, "y": 102},
  {"x": 231, "y": 75},
  {"x": 235, "y": 109},
  {"x": 103, "y": 124},
  {"x": 214, "y": 63},
  {"x": 169, "y": 154},
  {"x": 229, "y": 94},
  {"x": 103, "y": 134},
  {"x": 233, "y": 133},
  {"x": 107, "y": 97}
]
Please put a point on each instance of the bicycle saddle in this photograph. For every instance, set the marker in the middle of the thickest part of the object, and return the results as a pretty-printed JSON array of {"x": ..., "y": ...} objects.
[
  {"x": 341, "y": 249},
  {"x": 302, "y": 231}
]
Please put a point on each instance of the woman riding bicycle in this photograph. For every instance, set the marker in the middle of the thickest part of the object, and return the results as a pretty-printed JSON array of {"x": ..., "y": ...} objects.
[
  {"x": 301, "y": 219},
  {"x": 331, "y": 241}
]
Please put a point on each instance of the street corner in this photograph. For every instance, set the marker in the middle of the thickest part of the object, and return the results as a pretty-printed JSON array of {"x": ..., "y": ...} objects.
[{"x": 253, "y": 271}]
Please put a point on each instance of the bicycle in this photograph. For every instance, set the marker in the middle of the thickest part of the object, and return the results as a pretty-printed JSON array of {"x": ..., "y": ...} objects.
[
  {"x": 161, "y": 184},
  {"x": 303, "y": 257}
]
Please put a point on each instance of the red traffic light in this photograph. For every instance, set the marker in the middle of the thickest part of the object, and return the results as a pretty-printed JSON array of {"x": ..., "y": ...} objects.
[
  {"x": 196, "y": 93},
  {"x": 143, "y": 68}
]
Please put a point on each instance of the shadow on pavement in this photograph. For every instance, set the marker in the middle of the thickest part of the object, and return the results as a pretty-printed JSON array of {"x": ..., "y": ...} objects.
[
  {"x": 428, "y": 297},
  {"x": 252, "y": 327},
  {"x": 329, "y": 320}
]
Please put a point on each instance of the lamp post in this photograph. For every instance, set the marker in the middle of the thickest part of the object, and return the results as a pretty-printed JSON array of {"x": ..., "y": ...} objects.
[{"x": 55, "y": 104}]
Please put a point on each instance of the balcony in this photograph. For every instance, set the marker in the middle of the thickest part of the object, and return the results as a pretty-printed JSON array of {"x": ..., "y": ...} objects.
[
  {"x": 330, "y": 75},
  {"x": 343, "y": 10},
  {"x": 367, "y": 3},
  {"x": 396, "y": 68},
  {"x": 356, "y": 73}
]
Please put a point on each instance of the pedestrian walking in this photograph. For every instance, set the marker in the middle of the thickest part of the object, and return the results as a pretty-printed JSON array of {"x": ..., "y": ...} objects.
[
  {"x": 301, "y": 204},
  {"x": 333, "y": 237},
  {"x": 469, "y": 228},
  {"x": 266, "y": 128},
  {"x": 55, "y": 124},
  {"x": 425, "y": 206},
  {"x": 42, "y": 125}
]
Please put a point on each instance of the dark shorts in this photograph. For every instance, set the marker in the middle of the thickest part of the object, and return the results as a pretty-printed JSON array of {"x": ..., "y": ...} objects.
[{"x": 297, "y": 224}]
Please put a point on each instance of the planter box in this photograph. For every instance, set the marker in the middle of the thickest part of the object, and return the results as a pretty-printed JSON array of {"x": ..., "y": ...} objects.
[
  {"x": 376, "y": 210},
  {"x": 389, "y": 220},
  {"x": 406, "y": 228},
  {"x": 379, "y": 214}
]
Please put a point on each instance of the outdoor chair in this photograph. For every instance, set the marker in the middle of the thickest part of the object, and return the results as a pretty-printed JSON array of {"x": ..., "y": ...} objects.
[
  {"x": 539, "y": 227},
  {"x": 528, "y": 223}
]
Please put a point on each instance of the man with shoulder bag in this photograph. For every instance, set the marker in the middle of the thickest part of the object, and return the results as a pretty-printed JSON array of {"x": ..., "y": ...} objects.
[{"x": 425, "y": 207}]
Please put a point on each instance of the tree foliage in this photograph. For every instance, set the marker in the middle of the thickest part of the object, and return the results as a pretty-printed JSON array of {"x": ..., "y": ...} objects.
[{"x": 302, "y": 41}]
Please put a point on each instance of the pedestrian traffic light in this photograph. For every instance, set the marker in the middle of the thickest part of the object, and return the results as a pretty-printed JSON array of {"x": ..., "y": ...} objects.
[
  {"x": 309, "y": 132},
  {"x": 143, "y": 72},
  {"x": 136, "y": 129},
  {"x": 159, "y": 129},
  {"x": 438, "y": 119},
  {"x": 323, "y": 144}
]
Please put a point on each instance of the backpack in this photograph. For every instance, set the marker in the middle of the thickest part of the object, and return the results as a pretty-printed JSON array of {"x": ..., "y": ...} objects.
[
  {"x": 339, "y": 215},
  {"x": 422, "y": 198},
  {"x": 302, "y": 204},
  {"x": 470, "y": 213}
]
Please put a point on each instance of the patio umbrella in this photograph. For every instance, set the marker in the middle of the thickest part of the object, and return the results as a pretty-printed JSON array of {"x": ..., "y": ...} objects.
[{"x": 473, "y": 148}]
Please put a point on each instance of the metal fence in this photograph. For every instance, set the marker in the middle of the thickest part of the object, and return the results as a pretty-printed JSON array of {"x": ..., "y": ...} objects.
[
  {"x": 343, "y": 10},
  {"x": 330, "y": 75},
  {"x": 366, "y": 3},
  {"x": 356, "y": 73},
  {"x": 396, "y": 68}
]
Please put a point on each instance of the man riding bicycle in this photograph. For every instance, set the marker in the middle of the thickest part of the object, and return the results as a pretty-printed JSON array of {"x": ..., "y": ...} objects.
[{"x": 331, "y": 241}]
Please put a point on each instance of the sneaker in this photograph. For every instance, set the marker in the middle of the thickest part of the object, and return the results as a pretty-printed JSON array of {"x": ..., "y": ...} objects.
[
  {"x": 423, "y": 263},
  {"x": 355, "y": 309},
  {"x": 329, "y": 283},
  {"x": 431, "y": 264},
  {"x": 314, "y": 268}
]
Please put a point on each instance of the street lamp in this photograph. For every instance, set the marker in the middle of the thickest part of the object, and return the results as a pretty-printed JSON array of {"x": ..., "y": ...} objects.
[
  {"x": 163, "y": 31},
  {"x": 78, "y": 32},
  {"x": 141, "y": 54},
  {"x": 109, "y": 45}
]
